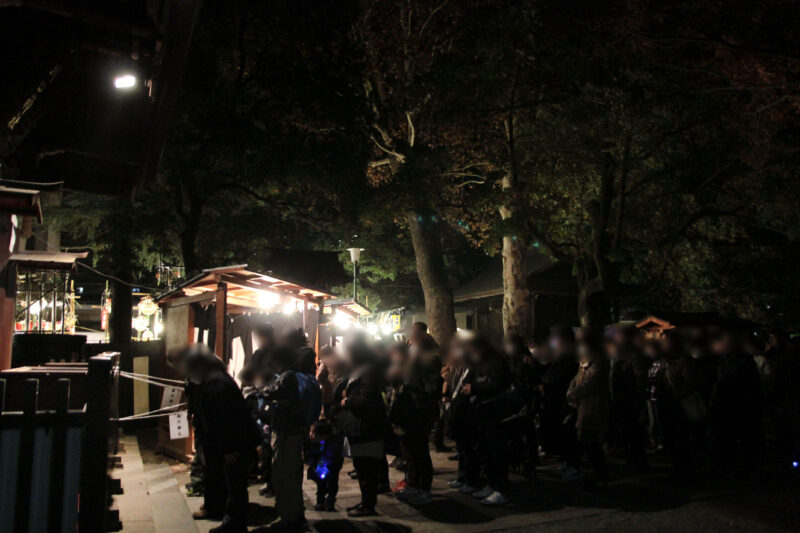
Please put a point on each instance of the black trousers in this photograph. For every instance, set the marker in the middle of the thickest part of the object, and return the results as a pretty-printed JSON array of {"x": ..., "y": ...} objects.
[
  {"x": 469, "y": 462},
  {"x": 589, "y": 442},
  {"x": 495, "y": 455},
  {"x": 266, "y": 459},
  {"x": 419, "y": 467},
  {"x": 383, "y": 472},
  {"x": 236, "y": 486},
  {"x": 216, "y": 493},
  {"x": 438, "y": 428},
  {"x": 369, "y": 472},
  {"x": 633, "y": 436}
]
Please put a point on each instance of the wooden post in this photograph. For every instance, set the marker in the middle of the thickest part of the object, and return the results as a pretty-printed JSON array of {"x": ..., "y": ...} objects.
[
  {"x": 25, "y": 464},
  {"x": 7, "y": 308},
  {"x": 57, "y": 465},
  {"x": 221, "y": 313},
  {"x": 94, "y": 457}
]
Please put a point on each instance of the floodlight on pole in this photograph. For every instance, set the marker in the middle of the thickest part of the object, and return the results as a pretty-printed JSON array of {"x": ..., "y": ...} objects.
[
  {"x": 125, "y": 81},
  {"x": 355, "y": 255}
]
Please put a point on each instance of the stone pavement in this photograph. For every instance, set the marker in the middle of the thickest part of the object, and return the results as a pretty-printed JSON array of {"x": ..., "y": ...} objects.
[{"x": 155, "y": 501}]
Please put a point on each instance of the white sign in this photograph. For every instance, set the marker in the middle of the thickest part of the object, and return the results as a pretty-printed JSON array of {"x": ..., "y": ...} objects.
[
  {"x": 178, "y": 425},
  {"x": 172, "y": 395}
]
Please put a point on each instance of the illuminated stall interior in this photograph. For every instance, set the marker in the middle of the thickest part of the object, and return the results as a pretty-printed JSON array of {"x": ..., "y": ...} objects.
[
  {"x": 45, "y": 292},
  {"x": 220, "y": 306},
  {"x": 340, "y": 316}
]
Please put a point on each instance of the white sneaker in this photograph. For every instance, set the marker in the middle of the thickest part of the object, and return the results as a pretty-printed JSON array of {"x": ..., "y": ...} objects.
[
  {"x": 495, "y": 498},
  {"x": 466, "y": 489},
  {"x": 455, "y": 484},
  {"x": 484, "y": 492},
  {"x": 405, "y": 493}
]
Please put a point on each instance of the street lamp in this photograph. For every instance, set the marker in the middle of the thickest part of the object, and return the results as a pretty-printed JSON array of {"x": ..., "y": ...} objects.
[
  {"x": 125, "y": 81},
  {"x": 355, "y": 255}
]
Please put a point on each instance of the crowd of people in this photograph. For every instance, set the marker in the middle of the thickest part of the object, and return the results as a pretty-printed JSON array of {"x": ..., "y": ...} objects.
[{"x": 711, "y": 400}]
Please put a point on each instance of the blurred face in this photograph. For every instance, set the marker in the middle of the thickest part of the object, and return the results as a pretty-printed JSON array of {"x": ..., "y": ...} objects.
[
  {"x": 542, "y": 353},
  {"x": 584, "y": 353},
  {"x": 556, "y": 344},
  {"x": 397, "y": 366},
  {"x": 723, "y": 344},
  {"x": 473, "y": 356},
  {"x": 612, "y": 348},
  {"x": 651, "y": 351},
  {"x": 509, "y": 348},
  {"x": 455, "y": 353}
]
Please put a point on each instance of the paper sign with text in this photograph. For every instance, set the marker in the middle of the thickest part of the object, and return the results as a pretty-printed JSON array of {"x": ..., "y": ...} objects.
[
  {"x": 172, "y": 395},
  {"x": 178, "y": 425}
]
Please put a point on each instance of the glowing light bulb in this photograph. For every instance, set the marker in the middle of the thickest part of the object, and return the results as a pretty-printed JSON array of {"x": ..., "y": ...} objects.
[{"x": 125, "y": 81}]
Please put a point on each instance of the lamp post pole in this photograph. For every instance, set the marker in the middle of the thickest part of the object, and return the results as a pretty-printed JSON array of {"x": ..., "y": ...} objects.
[{"x": 355, "y": 255}]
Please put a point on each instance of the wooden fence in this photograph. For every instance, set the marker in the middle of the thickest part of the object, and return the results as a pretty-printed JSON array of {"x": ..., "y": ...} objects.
[{"x": 54, "y": 459}]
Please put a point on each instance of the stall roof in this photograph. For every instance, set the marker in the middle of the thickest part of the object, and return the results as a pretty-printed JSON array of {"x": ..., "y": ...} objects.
[
  {"x": 47, "y": 260},
  {"x": 20, "y": 201},
  {"x": 244, "y": 286},
  {"x": 349, "y": 305}
]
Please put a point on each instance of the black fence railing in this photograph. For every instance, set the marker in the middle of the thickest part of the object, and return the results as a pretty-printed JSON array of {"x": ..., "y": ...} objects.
[{"x": 54, "y": 460}]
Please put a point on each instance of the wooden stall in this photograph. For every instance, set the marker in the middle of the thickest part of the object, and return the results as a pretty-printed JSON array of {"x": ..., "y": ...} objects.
[
  {"x": 219, "y": 306},
  {"x": 56, "y": 432},
  {"x": 338, "y": 316}
]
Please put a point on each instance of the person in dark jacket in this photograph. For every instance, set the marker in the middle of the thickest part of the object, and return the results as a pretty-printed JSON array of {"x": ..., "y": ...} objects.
[
  {"x": 671, "y": 389},
  {"x": 460, "y": 423},
  {"x": 628, "y": 387},
  {"x": 588, "y": 395},
  {"x": 558, "y": 437},
  {"x": 490, "y": 377},
  {"x": 230, "y": 435},
  {"x": 526, "y": 379},
  {"x": 413, "y": 412},
  {"x": 363, "y": 421},
  {"x": 735, "y": 408},
  {"x": 289, "y": 426}
]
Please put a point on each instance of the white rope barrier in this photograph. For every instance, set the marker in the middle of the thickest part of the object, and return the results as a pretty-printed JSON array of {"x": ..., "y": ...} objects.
[
  {"x": 155, "y": 378},
  {"x": 152, "y": 380},
  {"x": 164, "y": 411}
]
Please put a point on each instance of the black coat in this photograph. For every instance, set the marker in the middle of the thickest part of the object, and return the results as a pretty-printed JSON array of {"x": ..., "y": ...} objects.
[
  {"x": 628, "y": 387},
  {"x": 556, "y": 379},
  {"x": 489, "y": 378},
  {"x": 363, "y": 417},
  {"x": 223, "y": 416},
  {"x": 736, "y": 396}
]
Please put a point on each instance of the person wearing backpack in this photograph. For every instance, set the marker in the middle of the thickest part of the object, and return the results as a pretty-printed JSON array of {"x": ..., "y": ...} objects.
[{"x": 291, "y": 403}]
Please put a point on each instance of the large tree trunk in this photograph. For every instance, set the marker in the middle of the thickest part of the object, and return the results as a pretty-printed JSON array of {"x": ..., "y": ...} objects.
[
  {"x": 189, "y": 236},
  {"x": 433, "y": 277},
  {"x": 593, "y": 305},
  {"x": 516, "y": 297},
  {"x": 189, "y": 250}
]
